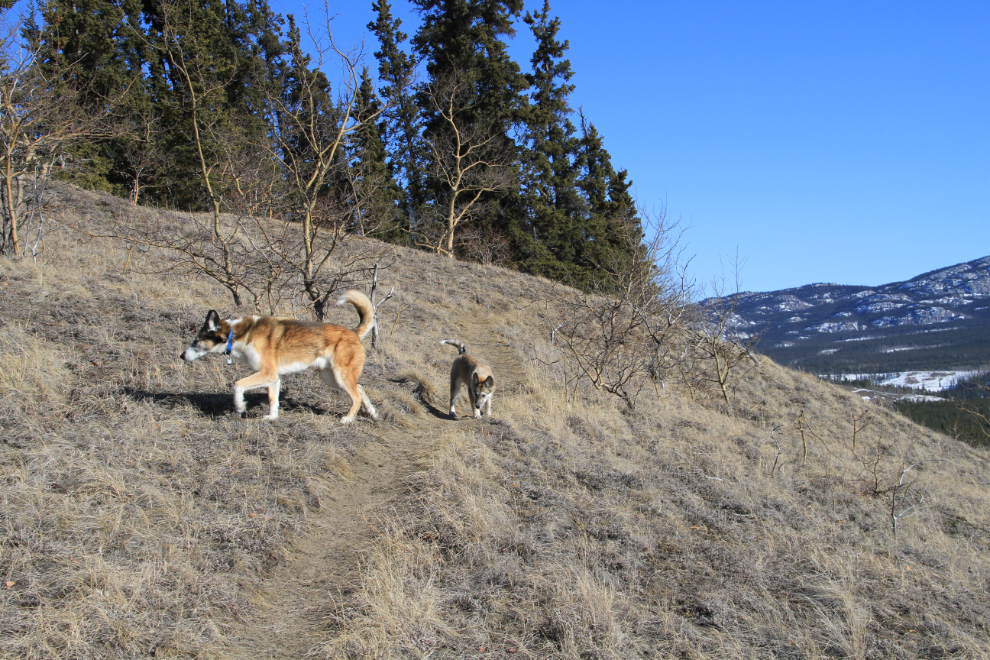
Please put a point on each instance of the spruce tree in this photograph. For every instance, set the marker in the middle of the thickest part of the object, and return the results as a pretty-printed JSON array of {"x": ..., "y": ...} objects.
[
  {"x": 209, "y": 63},
  {"x": 465, "y": 36},
  {"x": 375, "y": 193},
  {"x": 461, "y": 43},
  {"x": 612, "y": 232},
  {"x": 400, "y": 128},
  {"x": 97, "y": 47},
  {"x": 115, "y": 53},
  {"x": 548, "y": 234}
]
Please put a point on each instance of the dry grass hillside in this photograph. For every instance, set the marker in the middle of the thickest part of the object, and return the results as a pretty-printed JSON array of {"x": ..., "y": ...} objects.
[{"x": 140, "y": 517}]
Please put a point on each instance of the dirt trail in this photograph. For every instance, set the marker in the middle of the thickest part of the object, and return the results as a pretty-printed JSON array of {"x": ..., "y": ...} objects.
[
  {"x": 302, "y": 591},
  {"x": 324, "y": 569}
]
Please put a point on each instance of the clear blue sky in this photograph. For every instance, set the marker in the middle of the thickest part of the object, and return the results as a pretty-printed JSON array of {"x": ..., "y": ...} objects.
[{"x": 831, "y": 141}]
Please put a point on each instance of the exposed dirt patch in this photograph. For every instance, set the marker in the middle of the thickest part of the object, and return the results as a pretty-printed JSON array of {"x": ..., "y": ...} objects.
[{"x": 300, "y": 596}]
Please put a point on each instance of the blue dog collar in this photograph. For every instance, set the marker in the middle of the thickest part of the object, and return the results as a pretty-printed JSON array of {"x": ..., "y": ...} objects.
[{"x": 230, "y": 342}]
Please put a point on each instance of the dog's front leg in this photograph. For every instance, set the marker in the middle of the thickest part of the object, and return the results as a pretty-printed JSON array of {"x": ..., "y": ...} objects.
[
  {"x": 473, "y": 398},
  {"x": 455, "y": 389},
  {"x": 273, "y": 392},
  {"x": 252, "y": 382},
  {"x": 239, "y": 406}
]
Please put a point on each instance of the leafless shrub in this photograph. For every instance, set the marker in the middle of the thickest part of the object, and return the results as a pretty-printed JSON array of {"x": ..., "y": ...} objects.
[
  {"x": 776, "y": 442},
  {"x": 722, "y": 348},
  {"x": 601, "y": 336},
  {"x": 255, "y": 259},
  {"x": 485, "y": 245},
  {"x": 897, "y": 492},
  {"x": 628, "y": 330}
]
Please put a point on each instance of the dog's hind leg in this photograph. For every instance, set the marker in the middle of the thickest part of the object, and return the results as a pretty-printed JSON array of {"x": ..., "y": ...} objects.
[
  {"x": 368, "y": 408},
  {"x": 335, "y": 379}
]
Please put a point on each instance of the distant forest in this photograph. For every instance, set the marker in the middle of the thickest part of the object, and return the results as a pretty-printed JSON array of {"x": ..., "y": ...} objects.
[
  {"x": 964, "y": 415},
  {"x": 442, "y": 142}
]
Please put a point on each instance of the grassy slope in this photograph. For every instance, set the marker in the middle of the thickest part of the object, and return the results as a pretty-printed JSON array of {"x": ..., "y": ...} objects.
[{"x": 138, "y": 517}]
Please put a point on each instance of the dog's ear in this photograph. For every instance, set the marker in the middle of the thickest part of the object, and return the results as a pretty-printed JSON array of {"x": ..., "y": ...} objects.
[
  {"x": 489, "y": 381},
  {"x": 212, "y": 321}
]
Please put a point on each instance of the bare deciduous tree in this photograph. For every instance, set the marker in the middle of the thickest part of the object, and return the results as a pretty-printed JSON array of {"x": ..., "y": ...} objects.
[
  {"x": 308, "y": 130},
  {"x": 658, "y": 293},
  {"x": 40, "y": 119},
  {"x": 204, "y": 90},
  {"x": 469, "y": 159}
]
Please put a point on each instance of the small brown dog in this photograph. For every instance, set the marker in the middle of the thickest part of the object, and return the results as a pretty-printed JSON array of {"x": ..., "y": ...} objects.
[{"x": 469, "y": 370}]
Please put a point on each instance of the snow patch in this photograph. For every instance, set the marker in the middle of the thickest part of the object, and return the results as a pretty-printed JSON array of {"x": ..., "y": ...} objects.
[{"x": 931, "y": 381}]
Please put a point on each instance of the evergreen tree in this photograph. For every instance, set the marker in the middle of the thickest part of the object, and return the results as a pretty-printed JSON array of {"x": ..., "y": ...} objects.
[
  {"x": 145, "y": 61},
  {"x": 97, "y": 47},
  {"x": 465, "y": 36},
  {"x": 548, "y": 235},
  {"x": 210, "y": 63},
  {"x": 612, "y": 233},
  {"x": 400, "y": 127},
  {"x": 461, "y": 43},
  {"x": 607, "y": 191},
  {"x": 375, "y": 193}
]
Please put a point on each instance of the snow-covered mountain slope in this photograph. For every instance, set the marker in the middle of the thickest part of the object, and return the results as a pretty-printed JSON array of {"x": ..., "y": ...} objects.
[{"x": 938, "y": 320}]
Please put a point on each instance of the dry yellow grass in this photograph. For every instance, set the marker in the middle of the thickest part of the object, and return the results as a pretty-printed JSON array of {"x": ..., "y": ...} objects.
[{"x": 139, "y": 517}]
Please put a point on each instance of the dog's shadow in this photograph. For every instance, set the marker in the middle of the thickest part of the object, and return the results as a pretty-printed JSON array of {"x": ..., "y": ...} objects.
[
  {"x": 424, "y": 397},
  {"x": 217, "y": 405}
]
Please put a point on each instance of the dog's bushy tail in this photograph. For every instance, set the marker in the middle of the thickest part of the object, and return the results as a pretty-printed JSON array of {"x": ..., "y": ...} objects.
[
  {"x": 461, "y": 350},
  {"x": 364, "y": 309}
]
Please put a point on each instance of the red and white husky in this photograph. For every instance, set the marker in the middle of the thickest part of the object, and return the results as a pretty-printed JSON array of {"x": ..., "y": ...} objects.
[{"x": 276, "y": 346}]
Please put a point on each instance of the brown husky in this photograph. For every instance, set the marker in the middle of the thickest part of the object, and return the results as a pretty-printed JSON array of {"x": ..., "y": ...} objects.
[
  {"x": 275, "y": 346},
  {"x": 469, "y": 370}
]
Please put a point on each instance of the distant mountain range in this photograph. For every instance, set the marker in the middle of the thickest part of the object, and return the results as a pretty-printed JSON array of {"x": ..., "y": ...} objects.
[{"x": 939, "y": 320}]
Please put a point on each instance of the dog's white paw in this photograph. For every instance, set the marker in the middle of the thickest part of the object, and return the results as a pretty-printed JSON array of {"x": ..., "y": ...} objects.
[
  {"x": 346, "y": 420},
  {"x": 275, "y": 416}
]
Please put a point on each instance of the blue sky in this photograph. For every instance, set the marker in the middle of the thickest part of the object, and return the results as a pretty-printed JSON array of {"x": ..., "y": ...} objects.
[{"x": 833, "y": 141}]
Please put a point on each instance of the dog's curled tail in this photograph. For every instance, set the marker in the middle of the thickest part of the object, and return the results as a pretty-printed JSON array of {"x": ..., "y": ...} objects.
[
  {"x": 364, "y": 309},
  {"x": 461, "y": 350}
]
